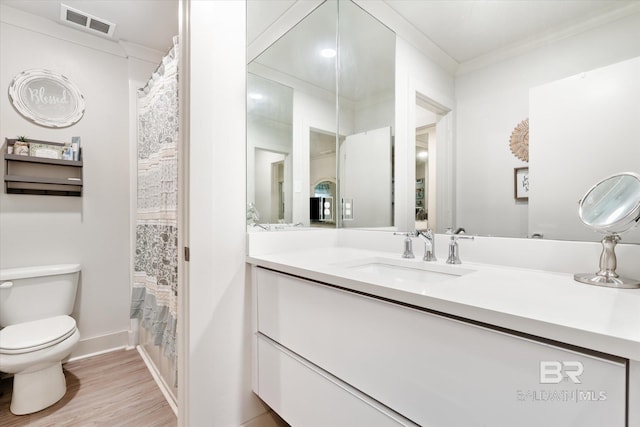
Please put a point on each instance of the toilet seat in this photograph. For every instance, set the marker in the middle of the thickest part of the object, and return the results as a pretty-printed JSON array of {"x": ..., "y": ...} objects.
[{"x": 36, "y": 335}]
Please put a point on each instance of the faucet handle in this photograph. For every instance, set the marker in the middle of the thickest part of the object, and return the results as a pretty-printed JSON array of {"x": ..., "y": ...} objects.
[
  {"x": 407, "y": 234},
  {"x": 408, "y": 244},
  {"x": 454, "y": 253},
  {"x": 426, "y": 232},
  {"x": 455, "y": 237}
]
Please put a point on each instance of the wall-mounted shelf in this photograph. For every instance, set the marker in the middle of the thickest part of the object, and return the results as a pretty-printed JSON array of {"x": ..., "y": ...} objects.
[{"x": 39, "y": 175}]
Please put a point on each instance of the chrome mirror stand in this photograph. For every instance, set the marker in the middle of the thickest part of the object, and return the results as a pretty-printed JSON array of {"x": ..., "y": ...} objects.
[{"x": 607, "y": 275}]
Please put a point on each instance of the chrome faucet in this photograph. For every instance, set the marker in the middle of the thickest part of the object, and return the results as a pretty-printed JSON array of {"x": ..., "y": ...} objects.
[
  {"x": 429, "y": 244},
  {"x": 454, "y": 253},
  {"x": 408, "y": 245}
]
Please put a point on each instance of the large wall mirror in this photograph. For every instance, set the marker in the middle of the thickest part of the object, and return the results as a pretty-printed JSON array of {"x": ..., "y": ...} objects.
[
  {"x": 466, "y": 74},
  {"x": 320, "y": 119}
]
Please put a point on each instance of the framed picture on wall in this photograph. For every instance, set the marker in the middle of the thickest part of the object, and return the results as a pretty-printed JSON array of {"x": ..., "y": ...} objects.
[{"x": 521, "y": 183}]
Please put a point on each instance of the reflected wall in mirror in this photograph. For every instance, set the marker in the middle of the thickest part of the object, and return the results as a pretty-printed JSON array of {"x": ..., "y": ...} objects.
[
  {"x": 269, "y": 148},
  {"x": 328, "y": 130},
  {"x": 581, "y": 127}
]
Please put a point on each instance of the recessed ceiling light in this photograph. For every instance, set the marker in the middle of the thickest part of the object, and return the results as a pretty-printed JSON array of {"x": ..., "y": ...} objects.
[
  {"x": 328, "y": 53},
  {"x": 255, "y": 96},
  {"x": 422, "y": 154}
]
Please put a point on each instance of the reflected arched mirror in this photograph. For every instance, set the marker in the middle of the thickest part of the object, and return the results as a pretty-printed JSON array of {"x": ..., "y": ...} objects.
[{"x": 611, "y": 207}]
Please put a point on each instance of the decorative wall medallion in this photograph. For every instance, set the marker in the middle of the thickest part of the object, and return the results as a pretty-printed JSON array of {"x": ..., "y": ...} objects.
[
  {"x": 519, "y": 141},
  {"x": 46, "y": 98}
]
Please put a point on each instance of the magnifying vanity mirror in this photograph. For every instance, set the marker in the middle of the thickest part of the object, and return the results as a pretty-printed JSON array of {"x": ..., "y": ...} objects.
[{"x": 611, "y": 207}]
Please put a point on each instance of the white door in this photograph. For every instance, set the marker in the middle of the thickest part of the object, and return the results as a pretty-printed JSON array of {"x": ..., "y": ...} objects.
[{"x": 365, "y": 179}]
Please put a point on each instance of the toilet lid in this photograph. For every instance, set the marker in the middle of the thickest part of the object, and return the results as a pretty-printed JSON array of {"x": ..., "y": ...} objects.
[{"x": 36, "y": 335}]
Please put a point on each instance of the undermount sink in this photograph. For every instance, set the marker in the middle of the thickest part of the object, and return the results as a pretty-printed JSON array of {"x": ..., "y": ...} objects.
[{"x": 406, "y": 270}]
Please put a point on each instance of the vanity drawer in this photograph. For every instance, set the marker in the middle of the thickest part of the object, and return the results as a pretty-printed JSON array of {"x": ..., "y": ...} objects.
[
  {"x": 303, "y": 395},
  {"x": 438, "y": 371}
]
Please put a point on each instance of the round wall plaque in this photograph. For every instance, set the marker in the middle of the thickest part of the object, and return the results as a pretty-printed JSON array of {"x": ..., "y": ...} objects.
[{"x": 46, "y": 98}]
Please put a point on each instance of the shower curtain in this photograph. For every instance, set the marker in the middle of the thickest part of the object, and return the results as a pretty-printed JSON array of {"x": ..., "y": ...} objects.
[{"x": 155, "y": 278}]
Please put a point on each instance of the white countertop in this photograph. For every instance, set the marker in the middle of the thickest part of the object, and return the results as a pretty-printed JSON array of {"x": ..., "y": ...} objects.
[{"x": 544, "y": 304}]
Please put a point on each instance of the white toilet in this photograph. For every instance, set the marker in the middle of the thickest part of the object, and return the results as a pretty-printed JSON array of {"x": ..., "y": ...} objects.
[{"x": 37, "y": 332}]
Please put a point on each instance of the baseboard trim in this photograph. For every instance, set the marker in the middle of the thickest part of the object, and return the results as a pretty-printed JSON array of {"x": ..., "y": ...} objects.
[
  {"x": 266, "y": 419},
  {"x": 99, "y": 345},
  {"x": 162, "y": 385}
]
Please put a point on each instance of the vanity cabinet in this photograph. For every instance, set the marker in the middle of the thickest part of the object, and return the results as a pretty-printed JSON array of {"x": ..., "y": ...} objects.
[
  {"x": 429, "y": 368},
  {"x": 311, "y": 397},
  {"x": 39, "y": 175}
]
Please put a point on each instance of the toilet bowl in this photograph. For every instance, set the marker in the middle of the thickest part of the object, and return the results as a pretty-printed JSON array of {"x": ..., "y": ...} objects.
[
  {"x": 37, "y": 332},
  {"x": 33, "y": 352}
]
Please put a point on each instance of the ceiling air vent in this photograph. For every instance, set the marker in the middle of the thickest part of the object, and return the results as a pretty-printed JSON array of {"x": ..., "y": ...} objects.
[{"x": 86, "y": 22}]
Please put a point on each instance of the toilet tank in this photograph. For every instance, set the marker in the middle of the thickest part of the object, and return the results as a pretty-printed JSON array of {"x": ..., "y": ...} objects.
[{"x": 33, "y": 293}]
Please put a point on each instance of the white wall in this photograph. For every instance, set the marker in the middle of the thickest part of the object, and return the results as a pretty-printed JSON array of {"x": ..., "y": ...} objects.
[
  {"x": 321, "y": 169},
  {"x": 375, "y": 114},
  {"x": 275, "y": 137},
  {"x": 93, "y": 230},
  {"x": 490, "y": 102},
  {"x": 583, "y": 129},
  {"x": 219, "y": 373}
]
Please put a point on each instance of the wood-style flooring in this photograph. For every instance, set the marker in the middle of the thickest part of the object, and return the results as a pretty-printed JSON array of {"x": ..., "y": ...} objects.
[{"x": 113, "y": 389}]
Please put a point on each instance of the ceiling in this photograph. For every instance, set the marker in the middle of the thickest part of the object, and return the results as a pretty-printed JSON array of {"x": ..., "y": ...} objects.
[
  {"x": 468, "y": 29},
  {"x": 150, "y": 23},
  {"x": 463, "y": 29},
  {"x": 366, "y": 54}
]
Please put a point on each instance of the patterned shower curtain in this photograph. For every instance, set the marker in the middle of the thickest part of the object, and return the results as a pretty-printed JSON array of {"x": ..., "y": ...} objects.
[{"x": 155, "y": 281}]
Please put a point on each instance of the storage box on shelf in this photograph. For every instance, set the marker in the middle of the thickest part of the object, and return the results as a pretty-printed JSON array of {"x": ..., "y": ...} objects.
[{"x": 25, "y": 174}]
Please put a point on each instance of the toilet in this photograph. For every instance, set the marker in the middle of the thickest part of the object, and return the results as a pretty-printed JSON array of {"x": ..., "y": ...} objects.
[{"x": 37, "y": 332}]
